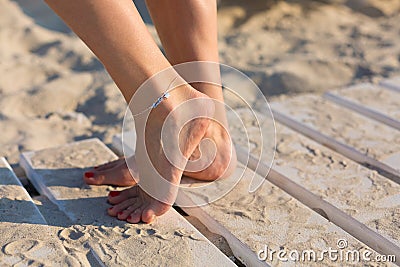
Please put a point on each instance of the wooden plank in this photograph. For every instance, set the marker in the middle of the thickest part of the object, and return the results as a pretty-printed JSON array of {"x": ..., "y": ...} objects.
[
  {"x": 171, "y": 240},
  {"x": 240, "y": 250},
  {"x": 45, "y": 172},
  {"x": 357, "y": 191},
  {"x": 392, "y": 84},
  {"x": 331, "y": 176},
  {"x": 330, "y": 212},
  {"x": 336, "y": 215},
  {"x": 371, "y": 101},
  {"x": 16, "y": 206},
  {"x": 26, "y": 239},
  {"x": 393, "y": 160},
  {"x": 352, "y": 135},
  {"x": 119, "y": 146},
  {"x": 51, "y": 212},
  {"x": 24, "y": 244},
  {"x": 268, "y": 217},
  {"x": 346, "y": 187},
  {"x": 348, "y": 151}
]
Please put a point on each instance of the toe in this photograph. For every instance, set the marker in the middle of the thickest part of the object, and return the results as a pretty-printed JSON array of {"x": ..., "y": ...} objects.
[
  {"x": 128, "y": 204},
  {"x": 92, "y": 178},
  {"x": 148, "y": 215},
  {"x": 119, "y": 176},
  {"x": 108, "y": 165},
  {"x": 135, "y": 216},
  {"x": 116, "y": 197},
  {"x": 154, "y": 209},
  {"x": 115, "y": 173},
  {"x": 125, "y": 209}
]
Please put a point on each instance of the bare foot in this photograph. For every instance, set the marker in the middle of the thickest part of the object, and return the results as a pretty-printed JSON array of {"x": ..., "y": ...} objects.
[
  {"x": 112, "y": 173},
  {"x": 134, "y": 204},
  {"x": 117, "y": 172}
]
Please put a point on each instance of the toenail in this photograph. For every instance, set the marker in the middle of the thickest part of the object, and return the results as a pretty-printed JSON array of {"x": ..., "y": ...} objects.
[
  {"x": 129, "y": 217},
  {"x": 110, "y": 208},
  {"x": 120, "y": 213},
  {"x": 114, "y": 193},
  {"x": 89, "y": 174}
]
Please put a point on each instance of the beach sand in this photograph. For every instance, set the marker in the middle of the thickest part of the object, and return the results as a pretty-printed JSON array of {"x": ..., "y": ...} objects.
[{"x": 53, "y": 90}]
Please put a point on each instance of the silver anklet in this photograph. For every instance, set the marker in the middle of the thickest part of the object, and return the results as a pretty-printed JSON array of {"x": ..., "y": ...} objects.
[
  {"x": 161, "y": 98},
  {"x": 164, "y": 96}
]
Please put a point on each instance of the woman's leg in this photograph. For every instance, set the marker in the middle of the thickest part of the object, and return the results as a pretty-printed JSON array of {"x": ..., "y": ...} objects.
[
  {"x": 188, "y": 32},
  {"x": 114, "y": 31}
]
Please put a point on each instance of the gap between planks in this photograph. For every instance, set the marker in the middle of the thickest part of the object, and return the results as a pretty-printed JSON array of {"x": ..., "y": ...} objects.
[
  {"x": 341, "y": 148},
  {"x": 171, "y": 219},
  {"x": 25, "y": 201},
  {"x": 322, "y": 207},
  {"x": 239, "y": 249},
  {"x": 391, "y": 84},
  {"x": 314, "y": 202},
  {"x": 367, "y": 112}
]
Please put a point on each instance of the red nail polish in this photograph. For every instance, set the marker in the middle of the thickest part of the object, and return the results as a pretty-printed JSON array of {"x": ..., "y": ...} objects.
[
  {"x": 114, "y": 193},
  {"x": 110, "y": 208},
  {"x": 129, "y": 217},
  {"x": 120, "y": 213},
  {"x": 89, "y": 174}
]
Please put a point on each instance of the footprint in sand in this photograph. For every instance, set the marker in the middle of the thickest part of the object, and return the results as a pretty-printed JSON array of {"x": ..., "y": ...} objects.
[
  {"x": 74, "y": 238},
  {"x": 27, "y": 252},
  {"x": 19, "y": 247}
]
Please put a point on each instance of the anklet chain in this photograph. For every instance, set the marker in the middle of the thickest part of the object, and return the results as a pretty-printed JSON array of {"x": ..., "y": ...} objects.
[
  {"x": 164, "y": 96},
  {"x": 161, "y": 98}
]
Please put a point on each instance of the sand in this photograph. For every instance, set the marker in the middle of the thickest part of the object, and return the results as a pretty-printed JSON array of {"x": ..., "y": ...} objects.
[
  {"x": 367, "y": 136},
  {"x": 273, "y": 218},
  {"x": 170, "y": 240},
  {"x": 310, "y": 46},
  {"x": 358, "y": 191},
  {"x": 53, "y": 90},
  {"x": 39, "y": 245},
  {"x": 376, "y": 98},
  {"x": 15, "y": 203}
]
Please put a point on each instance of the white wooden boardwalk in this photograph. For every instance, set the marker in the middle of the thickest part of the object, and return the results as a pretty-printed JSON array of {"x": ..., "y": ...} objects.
[
  {"x": 16, "y": 205},
  {"x": 57, "y": 173},
  {"x": 26, "y": 239},
  {"x": 335, "y": 178},
  {"x": 344, "y": 165}
]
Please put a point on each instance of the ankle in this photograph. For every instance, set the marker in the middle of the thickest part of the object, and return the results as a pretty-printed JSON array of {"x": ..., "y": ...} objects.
[
  {"x": 181, "y": 94},
  {"x": 177, "y": 98}
]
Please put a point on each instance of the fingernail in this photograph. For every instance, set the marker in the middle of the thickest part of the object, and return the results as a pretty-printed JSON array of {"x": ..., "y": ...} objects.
[
  {"x": 89, "y": 174},
  {"x": 114, "y": 193}
]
